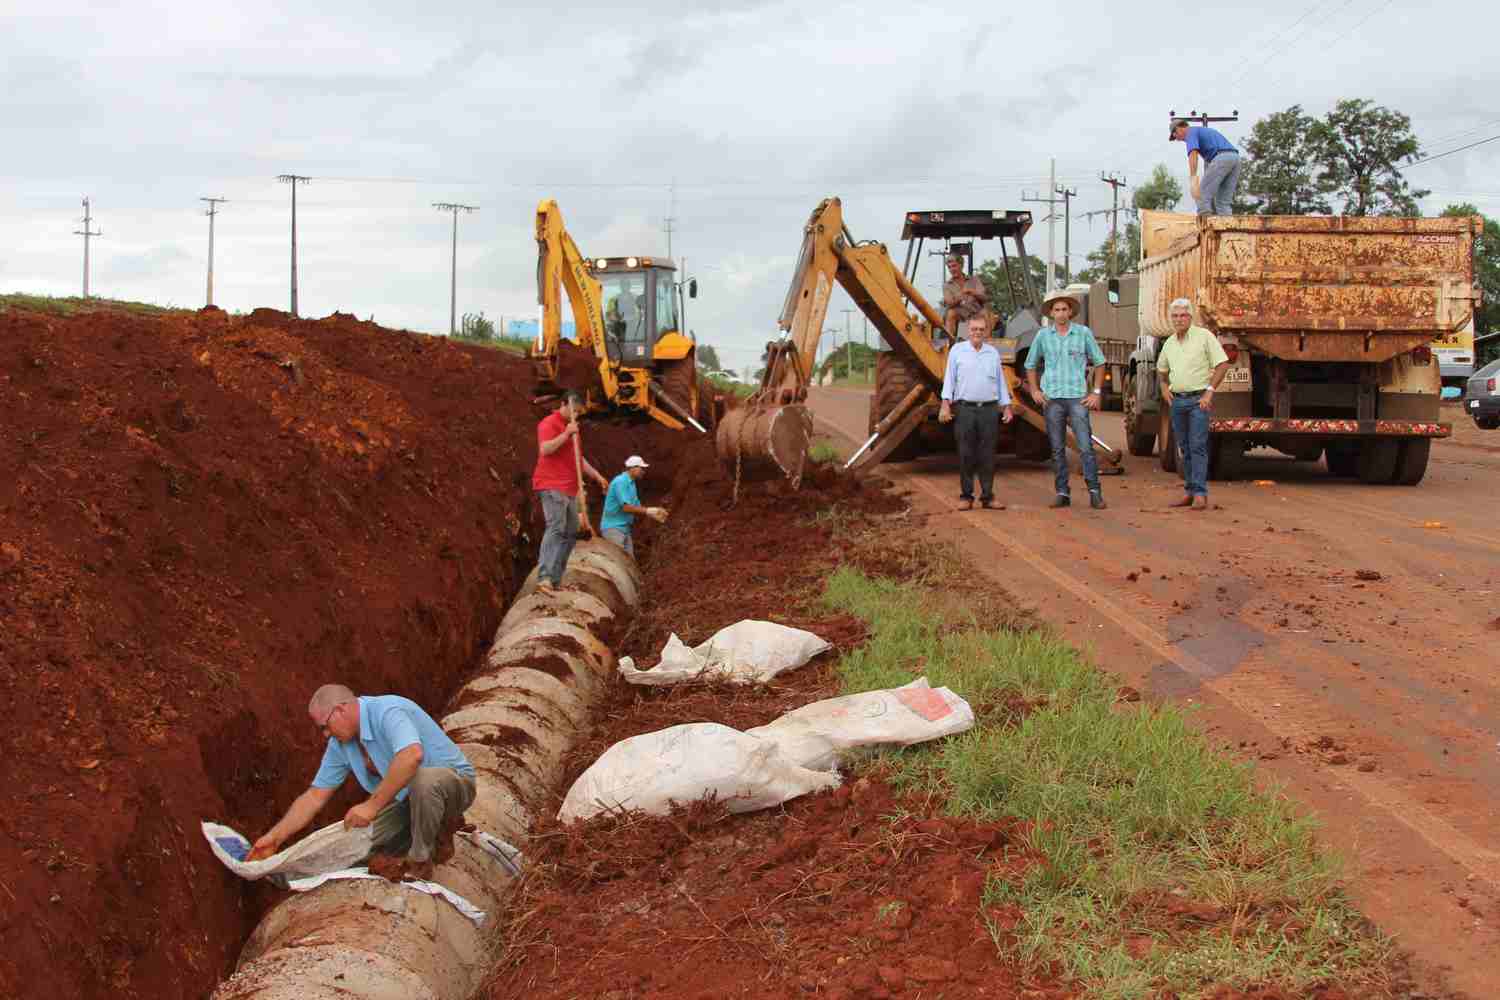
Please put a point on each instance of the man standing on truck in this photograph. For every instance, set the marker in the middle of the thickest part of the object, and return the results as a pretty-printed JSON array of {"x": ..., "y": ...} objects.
[
  {"x": 1221, "y": 170},
  {"x": 555, "y": 480},
  {"x": 974, "y": 383},
  {"x": 1066, "y": 350},
  {"x": 1191, "y": 364},
  {"x": 963, "y": 297},
  {"x": 622, "y": 503}
]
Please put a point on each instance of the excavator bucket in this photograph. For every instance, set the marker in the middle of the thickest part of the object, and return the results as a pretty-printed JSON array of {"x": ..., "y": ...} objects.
[{"x": 758, "y": 441}]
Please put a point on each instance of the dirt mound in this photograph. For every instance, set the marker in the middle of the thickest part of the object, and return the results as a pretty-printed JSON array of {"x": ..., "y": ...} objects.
[
  {"x": 207, "y": 517},
  {"x": 829, "y": 896}
]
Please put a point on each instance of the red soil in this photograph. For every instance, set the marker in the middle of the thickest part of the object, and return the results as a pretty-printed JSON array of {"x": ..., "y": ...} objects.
[{"x": 205, "y": 518}]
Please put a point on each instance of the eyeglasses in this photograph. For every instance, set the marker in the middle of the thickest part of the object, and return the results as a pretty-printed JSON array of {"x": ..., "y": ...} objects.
[{"x": 323, "y": 726}]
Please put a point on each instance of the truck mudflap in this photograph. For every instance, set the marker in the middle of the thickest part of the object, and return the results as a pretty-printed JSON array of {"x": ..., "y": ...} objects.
[{"x": 1331, "y": 427}]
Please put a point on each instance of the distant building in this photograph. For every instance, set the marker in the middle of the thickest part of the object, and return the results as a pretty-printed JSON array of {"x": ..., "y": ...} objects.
[{"x": 529, "y": 328}]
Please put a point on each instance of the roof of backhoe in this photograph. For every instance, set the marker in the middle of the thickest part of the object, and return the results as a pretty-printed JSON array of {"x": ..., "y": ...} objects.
[{"x": 984, "y": 223}]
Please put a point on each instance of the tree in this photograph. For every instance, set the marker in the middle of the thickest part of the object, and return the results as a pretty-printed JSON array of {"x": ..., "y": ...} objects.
[
  {"x": 476, "y": 327},
  {"x": 1006, "y": 297},
  {"x": 1359, "y": 146},
  {"x": 1486, "y": 267},
  {"x": 1281, "y": 169},
  {"x": 708, "y": 358}
]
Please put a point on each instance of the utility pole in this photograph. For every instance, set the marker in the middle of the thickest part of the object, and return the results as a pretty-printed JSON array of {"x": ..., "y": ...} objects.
[
  {"x": 848, "y": 346},
  {"x": 1049, "y": 201},
  {"x": 213, "y": 210},
  {"x": 87, "y": 233},
  {"x": 1115, "y": 184},
  {"x": 1205, "y": 119},
  {"x": 455, "y": 208},
  {"x": 293, "y": 180},
  {"x": 1067, "y": 199}
]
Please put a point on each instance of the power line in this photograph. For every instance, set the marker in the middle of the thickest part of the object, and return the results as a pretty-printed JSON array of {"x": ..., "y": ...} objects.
[{"x": 1460, "y": 149}]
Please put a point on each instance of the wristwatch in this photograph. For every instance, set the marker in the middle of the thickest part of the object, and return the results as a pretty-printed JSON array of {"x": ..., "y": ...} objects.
[{"x": 1094, "y": 392}]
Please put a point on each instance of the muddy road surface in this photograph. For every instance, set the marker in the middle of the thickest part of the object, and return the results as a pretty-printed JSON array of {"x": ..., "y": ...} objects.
[{"x": 1343, "y": 637}]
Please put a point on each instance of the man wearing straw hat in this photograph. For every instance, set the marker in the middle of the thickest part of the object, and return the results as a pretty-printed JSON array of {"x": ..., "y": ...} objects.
[
  {"x": 555, "y": 480},
  {"x": 1065, "y": 350}
]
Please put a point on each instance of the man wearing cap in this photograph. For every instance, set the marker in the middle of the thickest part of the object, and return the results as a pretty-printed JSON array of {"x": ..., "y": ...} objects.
[
  {"x": 1191, "y": 364},
  {"x": 1065, "y": 350},
  {"x": 1221, "y": 166},
  {"x": 555, "y": 480},
  {"x": 963, "y": 297},
  {"x": 975, "y": 385},
  {"x": 622, "y": 503}
]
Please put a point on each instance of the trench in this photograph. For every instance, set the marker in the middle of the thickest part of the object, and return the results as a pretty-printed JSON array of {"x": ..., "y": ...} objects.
[{"x": 515, "y": 720}]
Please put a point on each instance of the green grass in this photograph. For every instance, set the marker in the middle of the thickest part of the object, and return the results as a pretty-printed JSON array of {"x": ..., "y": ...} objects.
[
  {"x": 74, "y": 305},
  {"x": 1130, "y": 810},
  {"x": 510, "y": 345},
  {"x": 822, "y": 451}
]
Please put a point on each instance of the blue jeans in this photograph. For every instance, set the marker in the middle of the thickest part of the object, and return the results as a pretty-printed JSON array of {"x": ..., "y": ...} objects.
[
  {"x": 1190, "y": 431},
  {"x": 1061, "y": 413},
  {"x": 621, "y": 537},
  {"x": 561, "y": 512},
  {"x": 1217, "y": 187}
]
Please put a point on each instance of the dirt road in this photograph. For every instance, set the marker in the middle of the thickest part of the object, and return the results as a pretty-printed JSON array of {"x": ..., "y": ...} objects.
[{"x": 1374, "y": 700}]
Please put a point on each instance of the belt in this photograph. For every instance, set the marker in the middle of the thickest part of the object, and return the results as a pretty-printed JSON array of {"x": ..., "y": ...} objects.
[
  {"x": 1189, "y": 392},
  {"x": 966, "y": 402}
]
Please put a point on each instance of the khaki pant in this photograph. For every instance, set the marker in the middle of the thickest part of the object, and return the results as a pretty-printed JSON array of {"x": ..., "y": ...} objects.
[{"x": 411, "y": 825}]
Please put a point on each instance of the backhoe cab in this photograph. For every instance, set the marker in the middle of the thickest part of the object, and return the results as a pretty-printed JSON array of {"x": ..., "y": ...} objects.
[{"x": 631, "y": 352}]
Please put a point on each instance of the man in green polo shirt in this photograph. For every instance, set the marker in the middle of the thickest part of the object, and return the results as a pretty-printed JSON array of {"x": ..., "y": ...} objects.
[{"x": 1191, "y": 364}]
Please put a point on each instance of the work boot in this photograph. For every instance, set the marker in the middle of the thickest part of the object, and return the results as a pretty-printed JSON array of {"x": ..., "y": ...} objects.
[
  {"x": 990, "y": 504},
  {"x": 1096, "y": 501},
  {"x": 1061, "y": 501}
]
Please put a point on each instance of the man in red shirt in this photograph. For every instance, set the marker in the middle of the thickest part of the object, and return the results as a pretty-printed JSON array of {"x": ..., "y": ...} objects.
[{"x": 555, "y": 479}]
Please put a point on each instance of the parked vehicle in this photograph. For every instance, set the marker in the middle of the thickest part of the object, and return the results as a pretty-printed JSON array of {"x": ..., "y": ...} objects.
[{"x": 1482, "y": 400}]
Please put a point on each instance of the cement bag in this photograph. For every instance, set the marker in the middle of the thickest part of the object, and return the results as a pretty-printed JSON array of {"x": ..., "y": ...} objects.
[
  {"x": 330, "y": 849},
  {"x": 746, "y": 652},
  {"x": 815, "y": 735},
  {"x": 682, "y": 764}
]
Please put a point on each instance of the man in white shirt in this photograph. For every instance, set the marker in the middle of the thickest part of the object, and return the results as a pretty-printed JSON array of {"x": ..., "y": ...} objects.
[{"x": 974, "y": 384}]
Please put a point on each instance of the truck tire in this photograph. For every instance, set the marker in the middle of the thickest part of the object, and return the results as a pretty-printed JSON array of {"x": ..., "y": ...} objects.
[
  {"x": 1377, "y": 460},
  {"x": 1138, "y": 442},
  {"x": 1227, "y": 459},
  {"x": 1168, "y": 444},
  {"x": 894, "y": 378},
  {"x": 1306, "y": 452},
  {"x": 1411, "y": 466},
  {"x": 1343, "y": 459}
]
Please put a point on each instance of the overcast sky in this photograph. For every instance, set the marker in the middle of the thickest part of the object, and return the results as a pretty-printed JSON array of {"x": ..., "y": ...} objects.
[{"x": 754, "y": 110}]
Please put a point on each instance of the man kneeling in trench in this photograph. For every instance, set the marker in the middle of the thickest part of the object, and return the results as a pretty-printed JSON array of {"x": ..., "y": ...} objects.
[{"x": 419, "y": 782}]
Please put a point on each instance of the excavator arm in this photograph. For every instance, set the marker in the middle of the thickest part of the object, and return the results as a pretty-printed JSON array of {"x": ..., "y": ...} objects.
[
  {"x": 559, "y": 265},
  {"x": 769, "y": 435}
]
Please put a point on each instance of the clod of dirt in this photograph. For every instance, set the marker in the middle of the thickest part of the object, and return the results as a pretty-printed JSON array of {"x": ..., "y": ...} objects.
[
  {"x": 1338, "y": 759},
  {"x": 1127, "y": 693},
  {"x": 1366, "y": 574},
  {"x": 1495, "y": 625},
  {"x": 1134, "y": 576},
  {"x": 1366, "y": 765}
]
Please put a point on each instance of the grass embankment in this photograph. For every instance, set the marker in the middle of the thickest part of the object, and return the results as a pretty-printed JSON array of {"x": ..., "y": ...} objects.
[
  {"x": 74, "y": 305},
  {"x": 1165, "y": 868}
]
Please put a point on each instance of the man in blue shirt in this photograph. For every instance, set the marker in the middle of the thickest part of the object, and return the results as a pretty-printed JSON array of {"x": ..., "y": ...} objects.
[
  {"x": 1065, "y": 350},
  {"x": 419, "y": 782},
  {"x": 975, "y": 385},
  {"x": 622, "y": 503},
  {"x": 1221, "y": 171}
]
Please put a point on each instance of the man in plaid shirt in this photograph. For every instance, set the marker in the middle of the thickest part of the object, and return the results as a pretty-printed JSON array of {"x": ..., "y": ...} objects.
[{"x": 1065, "y": 350}]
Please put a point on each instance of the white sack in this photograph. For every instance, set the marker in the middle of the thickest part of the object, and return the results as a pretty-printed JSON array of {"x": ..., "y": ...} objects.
[
  {"x": 682, "y": 764},
  {"x": 815, "y": 735},
  {"x": 330, "y": 849},
  {"x": 746, "y": 652},
  {"x": 460, "y": 904}
]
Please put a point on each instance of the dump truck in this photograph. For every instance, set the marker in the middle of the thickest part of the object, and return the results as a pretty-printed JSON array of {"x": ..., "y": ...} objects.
[
  {"x": 768, "y": 436},
  {"x": 1328, "y": 323},
  {"x": 631, "y": 355}
]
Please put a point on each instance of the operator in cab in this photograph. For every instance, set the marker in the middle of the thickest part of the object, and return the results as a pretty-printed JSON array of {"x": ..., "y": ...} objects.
[
  {"x": 974, "y": 384},
  {"x": 1221, "y": 166},
  {"x": 963, "y": 297}
]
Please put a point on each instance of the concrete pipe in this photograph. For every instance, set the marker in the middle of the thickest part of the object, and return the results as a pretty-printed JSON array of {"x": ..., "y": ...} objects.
[
  {"x": 771, "y": 442},
  {"x": 516, "y": 721}
]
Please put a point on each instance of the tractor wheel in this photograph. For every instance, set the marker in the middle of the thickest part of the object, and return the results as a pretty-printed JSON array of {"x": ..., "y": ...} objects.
[
  {"x": 1412, "y": 465},
  {"x": 1031, "y": 444},
  {"x": 1377, "y": 460},
  {"x": 679, "y": 379},
  {"x": 894, "y": 378},
  {"x": 1138, "y": 440}
]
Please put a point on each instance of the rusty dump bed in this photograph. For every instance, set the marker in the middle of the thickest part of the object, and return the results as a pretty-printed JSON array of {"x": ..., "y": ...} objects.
[{"x": 1311, "y": 288}]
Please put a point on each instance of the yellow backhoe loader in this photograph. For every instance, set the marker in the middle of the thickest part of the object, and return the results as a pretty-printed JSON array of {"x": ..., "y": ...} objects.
[
  {"x": 768, "y": 437},
  {"x": 630, "y": 353}
]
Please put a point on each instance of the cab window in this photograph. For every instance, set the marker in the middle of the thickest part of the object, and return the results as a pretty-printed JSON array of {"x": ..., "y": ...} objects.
[{"x": 666, "y": 303}]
